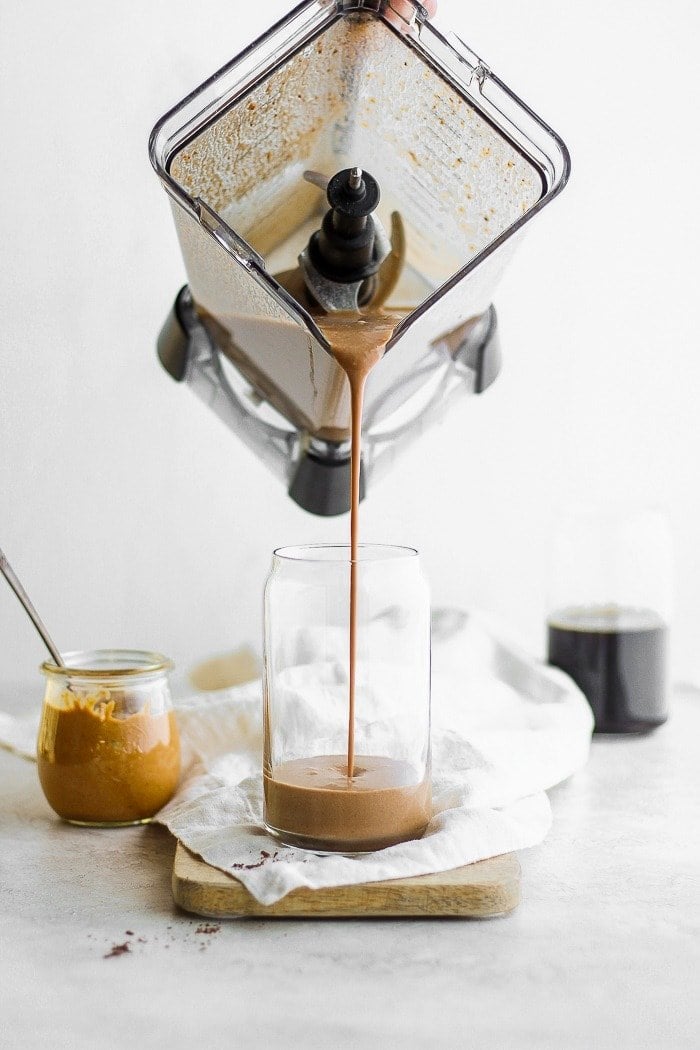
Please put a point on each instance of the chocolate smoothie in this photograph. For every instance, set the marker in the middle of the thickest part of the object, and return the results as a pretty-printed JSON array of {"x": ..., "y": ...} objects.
[
  {"x": 358, "y": 344},
  {"x": 348, "y": 803},
  {"x": 312, "y": 800}
]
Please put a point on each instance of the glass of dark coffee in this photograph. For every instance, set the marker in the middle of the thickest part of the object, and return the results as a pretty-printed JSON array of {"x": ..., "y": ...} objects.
[{"x": 609, "y": 610}]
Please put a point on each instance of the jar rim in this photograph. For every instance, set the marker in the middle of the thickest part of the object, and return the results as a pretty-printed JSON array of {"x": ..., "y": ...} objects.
[
  {"x": 340, "y": 552},
  {"x": 108, "y": 663}
]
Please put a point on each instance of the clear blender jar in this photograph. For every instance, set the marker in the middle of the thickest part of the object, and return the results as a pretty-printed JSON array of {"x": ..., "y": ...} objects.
[{"x": 462, "y": 165}]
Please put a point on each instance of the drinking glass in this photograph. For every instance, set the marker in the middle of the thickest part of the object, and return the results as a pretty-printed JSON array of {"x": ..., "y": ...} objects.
[
  {"x": 610, "y": 609},
  {"x": 337, "y": 780}
]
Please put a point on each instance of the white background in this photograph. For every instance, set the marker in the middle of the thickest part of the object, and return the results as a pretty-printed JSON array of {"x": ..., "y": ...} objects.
[{"x": 135, "y": 518}]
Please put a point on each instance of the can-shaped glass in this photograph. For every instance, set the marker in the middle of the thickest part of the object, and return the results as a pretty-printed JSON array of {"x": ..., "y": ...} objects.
[
  {"x": 346, "y": 770},
  {"x": 610, "y": 597},
  {"x": 108, "y": 751}
]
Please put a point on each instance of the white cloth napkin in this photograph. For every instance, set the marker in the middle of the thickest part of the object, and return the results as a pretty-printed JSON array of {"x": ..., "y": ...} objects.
[{"x": 505, "y": 728}]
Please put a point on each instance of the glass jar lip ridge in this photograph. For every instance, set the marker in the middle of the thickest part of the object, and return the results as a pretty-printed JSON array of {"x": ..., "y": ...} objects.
[
  {"x": 340, "y": 552},
  {"x": 108, "y": 663}
]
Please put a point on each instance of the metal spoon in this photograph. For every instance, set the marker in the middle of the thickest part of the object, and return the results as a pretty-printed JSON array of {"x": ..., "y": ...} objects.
[{"x": 9, "y": 574}]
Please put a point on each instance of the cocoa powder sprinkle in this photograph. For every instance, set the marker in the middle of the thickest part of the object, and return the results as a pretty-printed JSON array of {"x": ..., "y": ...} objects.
[
  {"x": 208, "y": 928},
  {"x": 117, "y": 949},
  {"x": 264, "y": 855}
]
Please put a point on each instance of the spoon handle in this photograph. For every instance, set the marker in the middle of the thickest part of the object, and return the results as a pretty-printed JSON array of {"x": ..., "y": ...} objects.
[{"x": 9, "y": 574}]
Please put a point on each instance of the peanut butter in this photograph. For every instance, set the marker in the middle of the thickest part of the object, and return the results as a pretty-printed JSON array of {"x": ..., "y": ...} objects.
[{"x": 99, "y": 765}]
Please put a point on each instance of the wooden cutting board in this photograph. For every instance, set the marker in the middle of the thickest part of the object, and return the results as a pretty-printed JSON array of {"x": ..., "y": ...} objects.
[{"x": 487, "y": 888}]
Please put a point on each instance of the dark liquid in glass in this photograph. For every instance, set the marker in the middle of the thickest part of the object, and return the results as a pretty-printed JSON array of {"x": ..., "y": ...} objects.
[{"x": 617, "y": 657}]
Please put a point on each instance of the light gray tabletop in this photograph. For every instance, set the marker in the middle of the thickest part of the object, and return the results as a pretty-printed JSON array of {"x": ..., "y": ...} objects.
[{"x": 603, "y": 952}]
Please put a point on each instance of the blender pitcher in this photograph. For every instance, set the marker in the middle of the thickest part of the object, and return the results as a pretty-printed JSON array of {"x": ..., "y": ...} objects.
[{"x": 350, "y": 90}]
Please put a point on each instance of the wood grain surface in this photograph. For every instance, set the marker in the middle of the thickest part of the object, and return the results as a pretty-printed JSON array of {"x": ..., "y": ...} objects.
[{"x": 487, "y": 888}]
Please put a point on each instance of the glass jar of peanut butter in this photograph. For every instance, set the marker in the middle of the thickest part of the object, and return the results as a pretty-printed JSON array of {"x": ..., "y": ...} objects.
[{"x": 108, "y": 751}]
